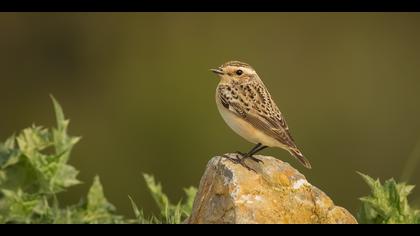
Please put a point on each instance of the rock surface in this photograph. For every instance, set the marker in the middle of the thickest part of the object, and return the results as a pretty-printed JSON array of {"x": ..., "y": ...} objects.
[{"x": 274, "y": 193}]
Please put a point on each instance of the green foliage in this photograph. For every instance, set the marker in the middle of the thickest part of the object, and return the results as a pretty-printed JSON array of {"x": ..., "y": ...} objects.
[
  {"x": 34, "y": 169},
  {"x": 387, "y": 203},
  {"x": 169, "y": 213}
]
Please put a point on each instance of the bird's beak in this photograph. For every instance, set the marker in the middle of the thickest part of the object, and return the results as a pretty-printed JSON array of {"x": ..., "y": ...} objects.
[{"x": 217, "y": 71}]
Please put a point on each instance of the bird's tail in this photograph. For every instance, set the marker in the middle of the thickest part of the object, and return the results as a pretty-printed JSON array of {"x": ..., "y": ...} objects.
[{"x": 296, "y": 153}]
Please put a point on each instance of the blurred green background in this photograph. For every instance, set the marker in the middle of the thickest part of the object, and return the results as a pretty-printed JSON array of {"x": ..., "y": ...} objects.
[{"x": 136, "y": 86}]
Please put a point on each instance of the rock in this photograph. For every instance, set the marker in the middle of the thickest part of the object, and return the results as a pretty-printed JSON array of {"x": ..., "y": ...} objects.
[{"x": 274, "y": 193}]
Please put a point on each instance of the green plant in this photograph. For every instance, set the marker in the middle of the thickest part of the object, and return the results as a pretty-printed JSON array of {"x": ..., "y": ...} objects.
[
  {"x": 169, "y": 213},
  {"x": 387, "y": 203},
  {"x": 34, "y": 169}
]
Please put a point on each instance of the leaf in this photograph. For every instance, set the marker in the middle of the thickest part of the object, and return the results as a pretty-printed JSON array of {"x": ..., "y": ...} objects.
[
  {"x": 387, "y": 203},
  {"x": 96, "y": 198},
  {"x": 169, "y": 213},
  {"x": 160, "y": 198},
  {"x": 177, "y": 215},
  {"x": 33, "y": 140},
  {"x": 22, "y": 206},
  {"x": 136, "y": 210},
  {"x": 98, "y": 209},
  {"x": 66, "y": 177},
  {"x": 62, "y": 142},
  {"x": 188, "y": 204},
  {"x": 139, "y": 214},
  {"x": 9, "y": 155}
]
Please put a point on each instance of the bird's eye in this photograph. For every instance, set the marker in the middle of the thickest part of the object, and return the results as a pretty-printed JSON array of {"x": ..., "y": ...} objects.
[{"x": 239, "y": 72}]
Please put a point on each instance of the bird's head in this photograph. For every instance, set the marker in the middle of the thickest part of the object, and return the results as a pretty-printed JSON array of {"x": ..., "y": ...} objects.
[{"x": 235, "y": 71}]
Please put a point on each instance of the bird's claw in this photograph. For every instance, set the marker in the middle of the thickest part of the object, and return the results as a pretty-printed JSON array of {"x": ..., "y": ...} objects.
[
  {"x": 240, "y": 153},
  {"x": 256, "y": 159},
  {"x": 241, "y": 161},
  {"x": 244, "y": 155}
]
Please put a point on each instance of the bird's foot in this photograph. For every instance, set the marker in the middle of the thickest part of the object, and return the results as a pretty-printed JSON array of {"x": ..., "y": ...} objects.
[
  {"x": 238, "y": 153},
  {"x": 240, "y": 159},
  {"x": 245, "y": 155},
  {"x": 256, "y": 159}
]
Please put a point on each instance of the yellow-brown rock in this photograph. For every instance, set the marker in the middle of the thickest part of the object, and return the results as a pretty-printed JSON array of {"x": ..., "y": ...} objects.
[{"x": 275, "y": 193}]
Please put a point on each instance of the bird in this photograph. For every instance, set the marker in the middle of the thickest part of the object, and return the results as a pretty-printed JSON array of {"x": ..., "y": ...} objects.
[{"x": 247, "y": 107}]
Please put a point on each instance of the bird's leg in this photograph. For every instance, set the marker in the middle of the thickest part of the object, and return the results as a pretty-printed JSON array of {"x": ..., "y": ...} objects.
[
  {"x": 253, "y": 151},
  {"x": 245, "y": 155},
  {"x": 249, "y": 154},
  {"x": 241, "y": 161}
]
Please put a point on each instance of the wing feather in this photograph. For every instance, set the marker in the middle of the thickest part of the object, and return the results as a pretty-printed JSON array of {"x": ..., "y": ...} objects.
[{"x": 271, "y": 125}]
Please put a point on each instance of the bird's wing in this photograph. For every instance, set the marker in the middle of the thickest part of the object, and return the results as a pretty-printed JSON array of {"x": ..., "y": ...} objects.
[
  {"x": 269, "y": 121},
  {"x": 273, "y": 124}
]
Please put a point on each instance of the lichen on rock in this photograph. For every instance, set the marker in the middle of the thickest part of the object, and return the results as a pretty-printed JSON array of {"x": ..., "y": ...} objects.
[{"x": 274, "y": 193}]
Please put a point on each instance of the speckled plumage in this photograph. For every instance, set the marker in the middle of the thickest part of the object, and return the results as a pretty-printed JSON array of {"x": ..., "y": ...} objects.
[{"x": 248, "y": 108}]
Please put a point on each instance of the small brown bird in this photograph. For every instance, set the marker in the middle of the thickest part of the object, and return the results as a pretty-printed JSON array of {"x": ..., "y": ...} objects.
[{"x": 247, "y": 107}]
